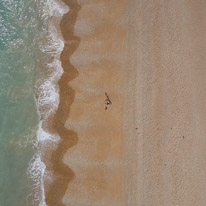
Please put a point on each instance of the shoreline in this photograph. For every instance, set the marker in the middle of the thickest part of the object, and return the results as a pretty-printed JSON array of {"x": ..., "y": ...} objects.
[{"x": 46, "y": 98}]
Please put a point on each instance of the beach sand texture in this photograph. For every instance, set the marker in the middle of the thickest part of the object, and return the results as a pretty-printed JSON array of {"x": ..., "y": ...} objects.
[{"x": 149, "y": 147}]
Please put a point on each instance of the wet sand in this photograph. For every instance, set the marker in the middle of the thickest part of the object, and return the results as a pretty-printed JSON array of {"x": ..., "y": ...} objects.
[
  {"x": 149, "y": 146},
  {"x": 58, "y": 174}
]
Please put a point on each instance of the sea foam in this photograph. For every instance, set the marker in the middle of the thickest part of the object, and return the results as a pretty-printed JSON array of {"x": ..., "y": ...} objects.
[{"x": 48, "y": 99}]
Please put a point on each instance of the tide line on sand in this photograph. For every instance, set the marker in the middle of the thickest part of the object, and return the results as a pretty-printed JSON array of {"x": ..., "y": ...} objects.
[{"x": 62, "y": 173}]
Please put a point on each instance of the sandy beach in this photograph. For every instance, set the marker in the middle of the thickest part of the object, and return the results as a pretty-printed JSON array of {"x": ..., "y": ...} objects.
[{"x": 149, "y": 146}]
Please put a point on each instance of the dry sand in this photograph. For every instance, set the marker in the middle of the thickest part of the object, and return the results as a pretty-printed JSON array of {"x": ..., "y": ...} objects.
[{"x": 149, "y": 147}]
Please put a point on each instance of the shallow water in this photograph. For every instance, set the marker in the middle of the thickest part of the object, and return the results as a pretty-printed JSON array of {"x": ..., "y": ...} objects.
[{"x": 24, "y": 26}]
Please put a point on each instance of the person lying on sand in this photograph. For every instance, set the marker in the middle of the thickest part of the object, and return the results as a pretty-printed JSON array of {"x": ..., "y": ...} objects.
[{"x": 107, "y": 101}]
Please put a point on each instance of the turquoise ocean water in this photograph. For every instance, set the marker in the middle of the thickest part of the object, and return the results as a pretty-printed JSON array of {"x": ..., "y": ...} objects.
[{"x": 26, "y": 46}]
